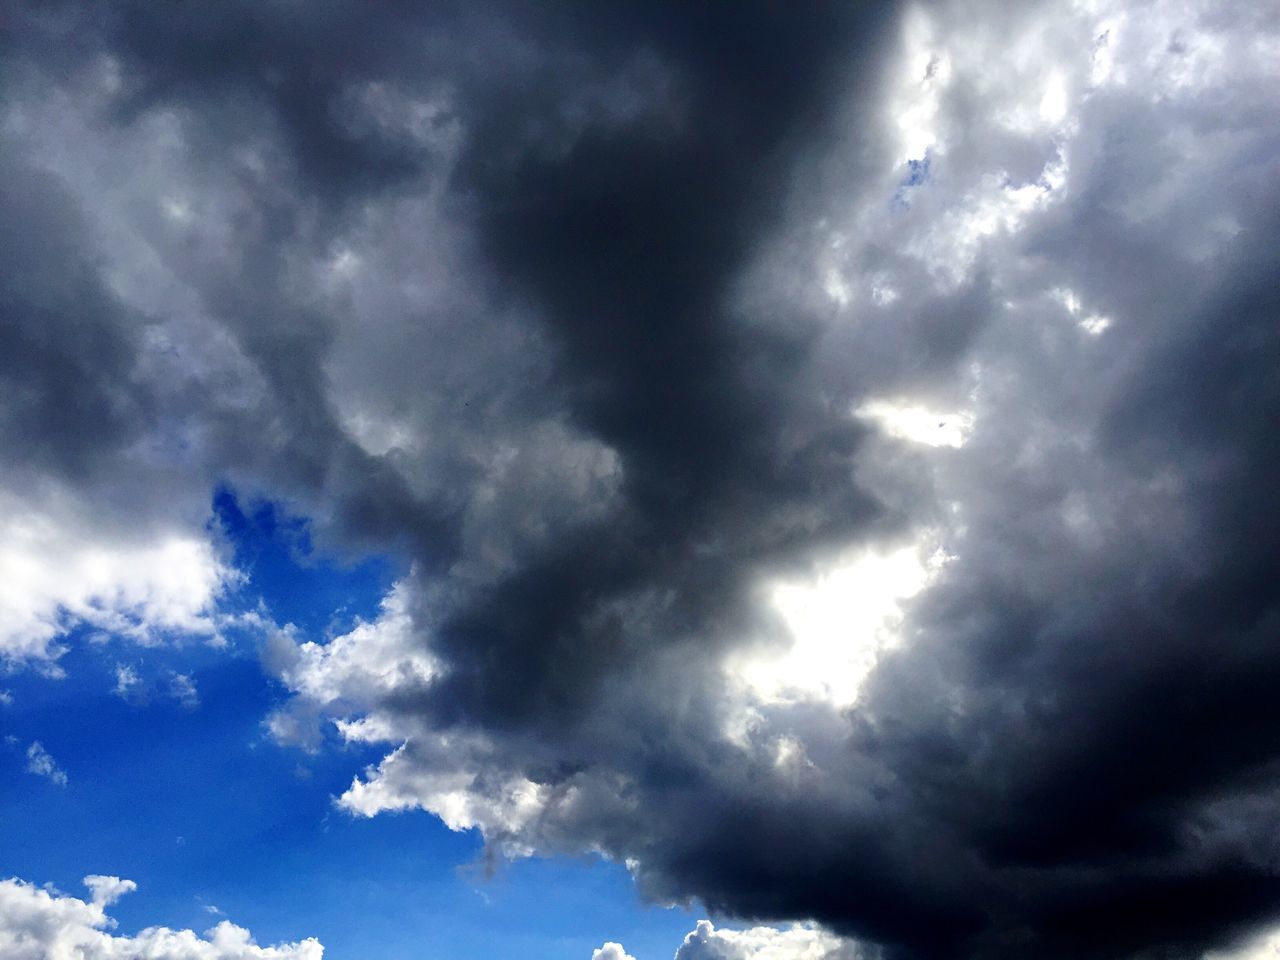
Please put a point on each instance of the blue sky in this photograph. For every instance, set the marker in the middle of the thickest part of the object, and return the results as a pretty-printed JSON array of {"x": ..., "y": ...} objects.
[{"x": 244, "y": 825}]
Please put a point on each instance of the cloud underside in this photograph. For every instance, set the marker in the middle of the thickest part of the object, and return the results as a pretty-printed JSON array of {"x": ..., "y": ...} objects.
[
  {"x": 39, "y": 924},
  {"x": 833, "y": 454}
]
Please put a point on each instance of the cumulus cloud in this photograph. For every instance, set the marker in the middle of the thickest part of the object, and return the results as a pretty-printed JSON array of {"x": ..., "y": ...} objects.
[
  {"x": 797, "y": 942},
  {"x": 832, "y": 455},
  {"x": 611, "y": 951},
  {"x": 59, "y": 569},
  {"x": 40, "y": 923},
  {"x": 347, "y": 677}
]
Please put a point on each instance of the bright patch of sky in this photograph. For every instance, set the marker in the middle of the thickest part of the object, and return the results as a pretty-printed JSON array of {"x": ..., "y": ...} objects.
[{"x": 837, "y": 622}]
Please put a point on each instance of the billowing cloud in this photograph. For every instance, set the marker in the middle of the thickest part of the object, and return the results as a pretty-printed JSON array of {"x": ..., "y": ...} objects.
[
  {"x": 37, "y": 923},
  {"x": 831, "y": 455}
]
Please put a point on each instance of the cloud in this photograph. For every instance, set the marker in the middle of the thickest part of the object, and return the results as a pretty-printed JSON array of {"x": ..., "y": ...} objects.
[
  {"x": 83, "y": 435},
  {"x": 798, "y": 942},
  {"x": 1063, "y": 519},
  {"x": 38, "y": 923},
  {"x": 611, "y": 951},
  {"x": 802, "y": 941},
  {"x": 107, "y": 890},
  {"x": 42, "y": 764},
  {"x": 127, "y": 680},
  {"x": 350, "y": 674},
  {"x": 61, "y": 570},
  {"x": 183, "y": 689},
  {"x": 831, "y": 456}
]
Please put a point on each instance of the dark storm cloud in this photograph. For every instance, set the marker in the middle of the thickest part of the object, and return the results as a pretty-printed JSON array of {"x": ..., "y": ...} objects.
[
  {"x": 1084, "y": 715},
  {"x": 625, "y": 244},
  {"x": 66, "y": 348},
  {"x": 578, "y": 374}
]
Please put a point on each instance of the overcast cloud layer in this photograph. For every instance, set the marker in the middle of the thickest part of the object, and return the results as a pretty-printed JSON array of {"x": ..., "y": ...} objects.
[{"x": 832, "y": 451}]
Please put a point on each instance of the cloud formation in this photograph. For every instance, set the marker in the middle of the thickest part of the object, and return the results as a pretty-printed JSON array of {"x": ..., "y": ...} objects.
[
  {"x": 799, "y": 942},
  {"x": 41, "y": 924},
  {"x": 41, "y": 763},
  {"x": 831, "y": 455}
]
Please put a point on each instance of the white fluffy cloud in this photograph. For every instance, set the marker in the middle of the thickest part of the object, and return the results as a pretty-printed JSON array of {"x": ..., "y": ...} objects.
[
  {"x": 611, "y": 951},
  {"x": 454, "y": 776},
  {"x": 347, "y": 677},
  {"x": 799, "y": 941},
  {"x": 62, "y": 565},
  {"x": 352, "y": 671},
  {"x": 41, "y": 924},
  {"x": 455, "y": 779}
]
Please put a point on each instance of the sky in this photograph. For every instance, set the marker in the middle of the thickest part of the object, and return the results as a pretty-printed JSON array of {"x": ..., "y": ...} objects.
[{"x": 631, "y": 481}]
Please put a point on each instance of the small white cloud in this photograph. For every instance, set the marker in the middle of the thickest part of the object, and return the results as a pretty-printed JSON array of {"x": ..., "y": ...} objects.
[
  {"x": 42, "y": 764},
  {"x": 127, "y": 681},
  {"x": 107, "y": 890},
  {"x": 611, "y": 951},
  {"x": 183, "y": 689}
]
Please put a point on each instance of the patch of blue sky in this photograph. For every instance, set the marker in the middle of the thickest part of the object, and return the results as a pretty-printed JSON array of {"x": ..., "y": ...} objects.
[
  {"x": 194, "y": 802},
  {"x": 917, "y": 175},
  {"x": 320, "y": 593}
]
